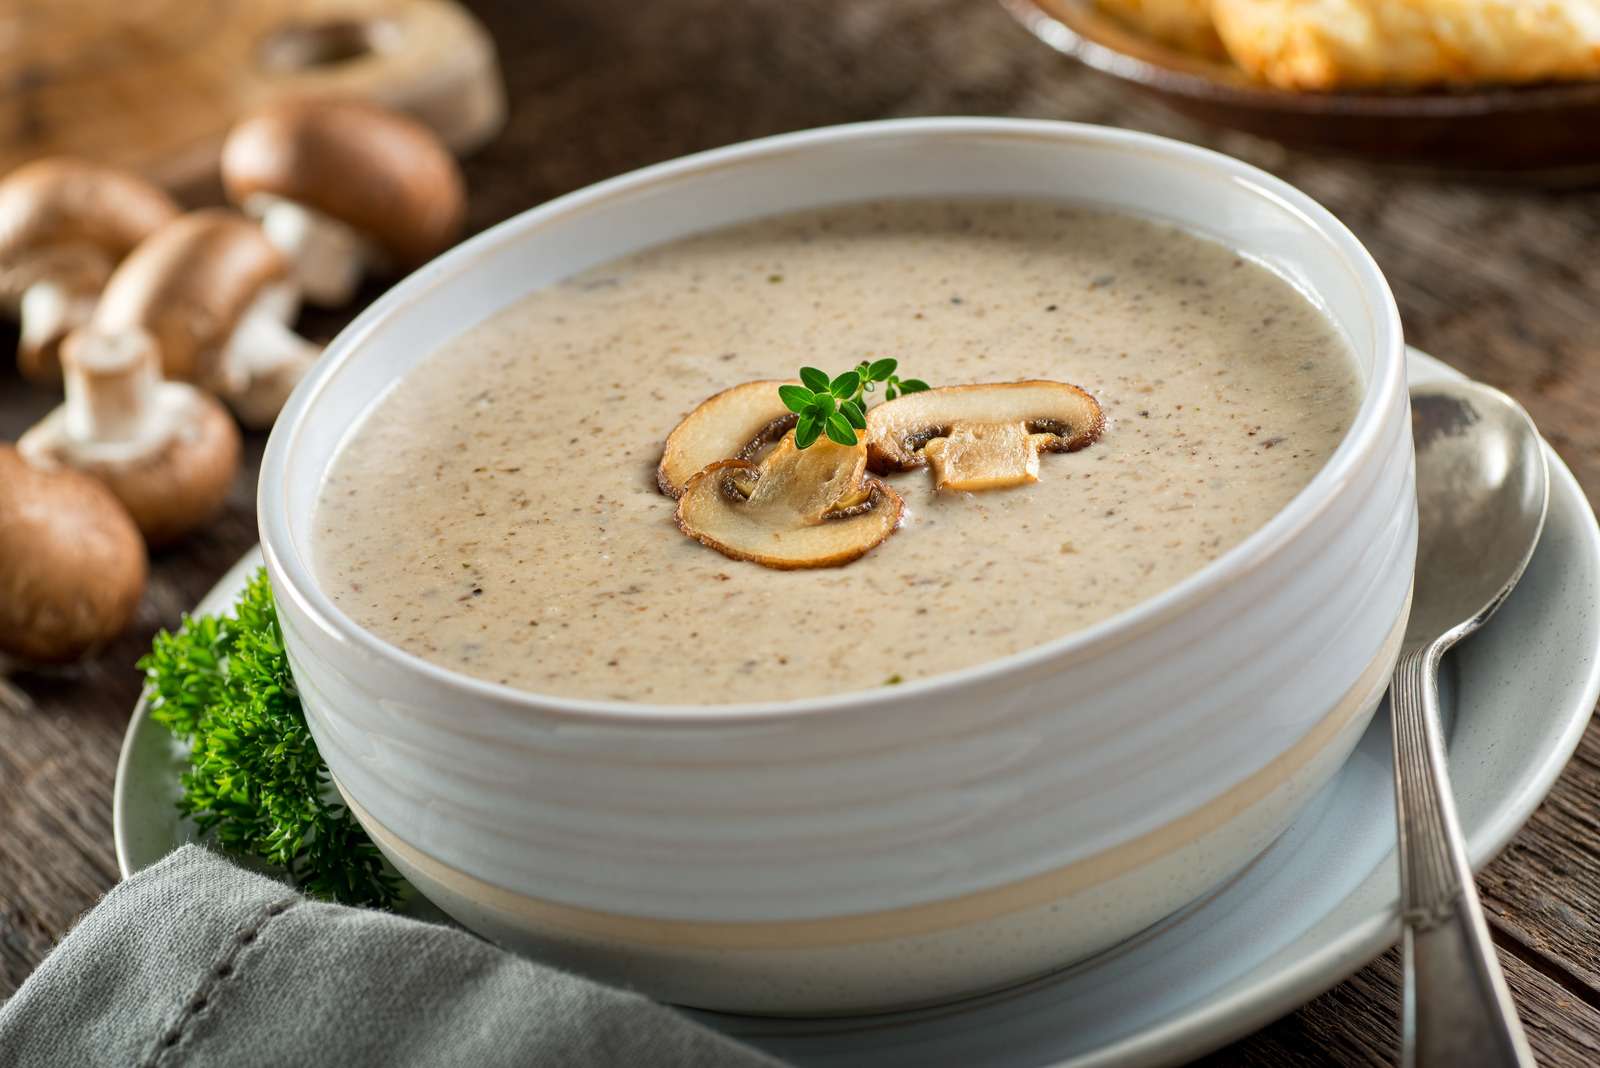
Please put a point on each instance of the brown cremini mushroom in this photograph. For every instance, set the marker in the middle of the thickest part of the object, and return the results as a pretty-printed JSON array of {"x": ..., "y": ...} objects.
[
  {"x": 798, "y": 508},
  {"x": 981, "y": 437},
  {"x": 64, "y": 224},
  {"x": 165, "y": 449},
  {"x": 217, "y": 297},
  {"x": 72, "y": 564},
  {"x": 344, "y": 186},
  {"x": 732, "y": 425}
]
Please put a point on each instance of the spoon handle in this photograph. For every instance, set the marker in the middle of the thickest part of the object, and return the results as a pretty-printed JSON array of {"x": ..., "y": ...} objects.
[{"x": 1457, "y": 1008}]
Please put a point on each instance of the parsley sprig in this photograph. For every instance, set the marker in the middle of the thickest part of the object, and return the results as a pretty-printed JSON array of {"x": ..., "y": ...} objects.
[
  {"x": 255, "y": 781},
  {"x": 837, "y": 406}
]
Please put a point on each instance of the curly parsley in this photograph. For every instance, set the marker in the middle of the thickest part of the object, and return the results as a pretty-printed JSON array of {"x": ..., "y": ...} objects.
[{"x": 256, "y": 782}]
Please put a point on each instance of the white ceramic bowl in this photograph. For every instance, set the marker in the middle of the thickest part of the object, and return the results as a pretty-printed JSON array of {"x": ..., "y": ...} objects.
[{"x": 905, "y": 844}]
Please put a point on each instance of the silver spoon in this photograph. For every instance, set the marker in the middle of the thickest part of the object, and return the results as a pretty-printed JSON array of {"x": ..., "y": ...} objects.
[{"x": 1482, "y": 490}]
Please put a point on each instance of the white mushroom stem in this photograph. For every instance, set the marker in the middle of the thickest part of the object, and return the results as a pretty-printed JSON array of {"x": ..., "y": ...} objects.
[
  {"x": 50, "y": 310},
  {"x": 117, "y": 407},
  {"x": 329, "y": 257},
  {"x": 111, "y": 381},
  {"x": 263, "y": 359}
]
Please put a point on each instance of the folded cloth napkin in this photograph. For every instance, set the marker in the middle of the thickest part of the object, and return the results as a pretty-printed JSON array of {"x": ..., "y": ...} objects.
[{"x": 196, "y": 962}]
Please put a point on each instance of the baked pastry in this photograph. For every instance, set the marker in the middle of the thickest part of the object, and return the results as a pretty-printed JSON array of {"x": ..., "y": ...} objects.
[
  {"x": 1185, "y": 24},
  {"x": 1353, "y": 44}
]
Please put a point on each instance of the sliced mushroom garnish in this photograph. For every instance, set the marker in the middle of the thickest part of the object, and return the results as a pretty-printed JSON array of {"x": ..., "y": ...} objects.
[
  {"x": 981, "y": 437},
  {"x": 813, "y": 507},
  {"x": 732, "y": 425}
]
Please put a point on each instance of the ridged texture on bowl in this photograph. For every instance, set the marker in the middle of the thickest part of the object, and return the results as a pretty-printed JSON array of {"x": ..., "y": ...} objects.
[{"x": 902, "y": 958}]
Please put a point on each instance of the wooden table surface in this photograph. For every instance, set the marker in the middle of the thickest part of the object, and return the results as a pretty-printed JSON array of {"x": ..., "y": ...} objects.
[{"x": 1504, "y": 283}]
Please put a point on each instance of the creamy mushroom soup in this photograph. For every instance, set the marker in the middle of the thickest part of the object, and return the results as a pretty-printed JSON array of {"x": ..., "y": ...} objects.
[{"x": 497, "y": 512}]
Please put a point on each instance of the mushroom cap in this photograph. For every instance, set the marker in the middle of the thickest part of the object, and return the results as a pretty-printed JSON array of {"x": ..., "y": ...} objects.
[
  {"x": 1057, "y": 417},
  {"x": 799, "y": 508},
  {"x": 188, "y": 284},
  {"x": 62, "y": 200},
  {"x": 72, "y": 565},
  {"x": 184, "y": 484},
  {"x": 731, "y": 425},
  {"x": 383, "y": 174}
]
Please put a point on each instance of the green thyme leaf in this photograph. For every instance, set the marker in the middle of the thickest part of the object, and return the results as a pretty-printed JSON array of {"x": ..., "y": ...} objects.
[
  {"x": 852, "y": 411},
  {"x": 839, "y": 429},
  {"x": 795, "y": 398},
  {"x": 882, "y": 369},
  {"x": 816, "y": 380},
  {"x": 890, "y": 392},
  {"x": 806, "y": 431},
  {"x": 846, "y": 385},
  {"x": 913, "y": 385}
]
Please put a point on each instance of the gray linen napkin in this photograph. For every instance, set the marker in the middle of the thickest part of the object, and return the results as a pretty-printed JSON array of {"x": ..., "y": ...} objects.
[{"x": 197, "y": 962}]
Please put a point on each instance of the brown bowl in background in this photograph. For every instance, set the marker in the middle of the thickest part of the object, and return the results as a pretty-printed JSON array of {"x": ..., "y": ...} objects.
[{"x": 1536, "y": 131}]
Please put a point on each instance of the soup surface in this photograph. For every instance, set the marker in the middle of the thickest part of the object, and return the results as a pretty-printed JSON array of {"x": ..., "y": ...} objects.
[{"x": 496, "y": 512}]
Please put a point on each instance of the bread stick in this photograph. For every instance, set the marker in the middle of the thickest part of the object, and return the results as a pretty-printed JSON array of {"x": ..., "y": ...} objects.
[{"x": 1347, "y": 44}]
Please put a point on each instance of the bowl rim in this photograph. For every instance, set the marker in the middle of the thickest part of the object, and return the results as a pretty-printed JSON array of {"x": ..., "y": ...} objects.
[{"x": 298, "y": 583}]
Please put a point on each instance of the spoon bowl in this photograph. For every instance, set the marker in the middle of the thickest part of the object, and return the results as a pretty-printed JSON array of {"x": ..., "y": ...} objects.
[{"x": 1482, "y": 492}]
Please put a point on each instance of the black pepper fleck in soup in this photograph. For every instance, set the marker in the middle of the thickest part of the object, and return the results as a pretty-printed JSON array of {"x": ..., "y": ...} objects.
[{"x": 521, "y": 539}]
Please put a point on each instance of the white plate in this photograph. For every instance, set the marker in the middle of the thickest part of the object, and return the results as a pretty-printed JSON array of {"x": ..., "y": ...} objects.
[{"x": 1314, "y": 908}]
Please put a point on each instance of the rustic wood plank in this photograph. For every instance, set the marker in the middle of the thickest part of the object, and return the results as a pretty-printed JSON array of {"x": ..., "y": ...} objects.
[
  {"x": 1544, "y": 892},
  {"x": 1500, "y": 281},
  {"x": 1356, "y": 1025}
]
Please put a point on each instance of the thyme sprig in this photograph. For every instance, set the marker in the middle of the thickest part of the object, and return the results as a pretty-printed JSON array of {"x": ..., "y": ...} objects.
[{"x": 837, "y": 406}]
